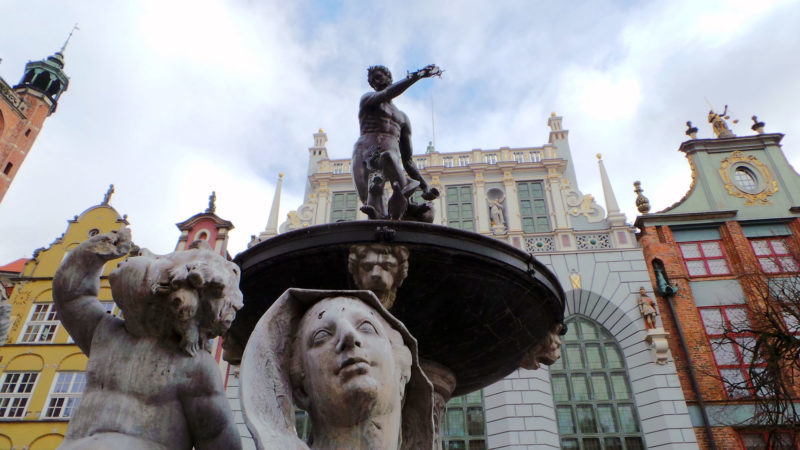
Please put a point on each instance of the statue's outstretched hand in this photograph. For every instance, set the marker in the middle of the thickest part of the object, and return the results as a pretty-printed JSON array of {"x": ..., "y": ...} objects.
[
  {"x": 111, "y": 245},
  {"x": 427, "y": 71}
]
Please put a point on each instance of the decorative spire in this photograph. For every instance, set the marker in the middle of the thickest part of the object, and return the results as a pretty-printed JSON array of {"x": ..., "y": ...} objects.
[
  {"x": 272, "y": 223},
  {"x": 690, "y": 130},
  {"x": 109, "y": 193},
  {"x": 758, "y": 127},
  {"x": 64, "y": 47},
  {"x": 642, "y": 203},
  {"x": 212, "y": 203},
  {"x": 615, "y": 217}
]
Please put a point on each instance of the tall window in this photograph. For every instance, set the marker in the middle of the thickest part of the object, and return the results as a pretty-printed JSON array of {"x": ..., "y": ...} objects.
[
  {"x": 464, "y": 425},
  {"x": 591, "y": 391},
  {"x": 15, "y": 392},
  {"x": 65, "y": 395},
  {"x": 533, "y": 207},
  {"x": 344, "y": 206},
  {"x": 535, "y": 156},
  {"x": 732, "y": 362},
  {"x": 463, "y": 160},
  {"x": 460, "y": 213},
  {"x": 773, "y": 255},
  {"x": 447, "y": 161},
  {"x": 704, "y": 258},
  {"x": 519, "y": 157},
  {"x": 338, "y": 168},
  {"x": 42, "y": 325},
  {"x": 490, "y": 158},
  {"x": 421, "y": 163}
]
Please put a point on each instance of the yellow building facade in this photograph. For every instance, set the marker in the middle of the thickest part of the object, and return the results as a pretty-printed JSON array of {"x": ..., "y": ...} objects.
[{"x": 41, "y": 369}]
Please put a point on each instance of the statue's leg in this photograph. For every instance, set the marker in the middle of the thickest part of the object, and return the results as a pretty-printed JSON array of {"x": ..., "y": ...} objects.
[
  {"x": 360, "y": 175},
  {"x": 393, "y": 168}
]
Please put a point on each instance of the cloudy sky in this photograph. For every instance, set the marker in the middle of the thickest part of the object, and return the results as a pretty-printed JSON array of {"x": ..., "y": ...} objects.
[{"x": 170, "y": 100}]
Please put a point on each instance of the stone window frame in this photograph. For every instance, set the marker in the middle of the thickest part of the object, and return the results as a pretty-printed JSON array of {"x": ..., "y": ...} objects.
[
  {"x": 41, "y": 326},
  {"x": 490, "y": 158},
  {"x": 465, "y": 404},
  {"x": 533, "y": 216},
  {"x": 65, "y": 395},
  {"x": 338, "y": 168},
  {"x": 718, "y": 339},
  {"x": 782, "y": 261},
  {"x": 447, "y": 161},
  {"x": 606, "y": 344},
  {"x": 704, "y": 258},
  {"x": 347, "y": 212},
  {"x": 463, "y": 160},
  {"x": 535, "y": 156},
  {"x": 519, "y": 157},
  {"x": 16, "y": 391},
  {"x": 465, "y": 218}
]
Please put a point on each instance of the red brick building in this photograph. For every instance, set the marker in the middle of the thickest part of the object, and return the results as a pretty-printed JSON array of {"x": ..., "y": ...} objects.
[
  {"x": 23, "y": 110},
  {"x": 739, "y": 224}
]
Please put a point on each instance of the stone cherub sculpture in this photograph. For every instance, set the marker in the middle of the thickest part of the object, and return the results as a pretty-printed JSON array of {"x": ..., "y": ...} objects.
[
  {"x": 383, "y": 152},
  {"x": 150, "y": 383},
  {"x": 379, "y": 268},
  {"x": 344, "y": 359}
]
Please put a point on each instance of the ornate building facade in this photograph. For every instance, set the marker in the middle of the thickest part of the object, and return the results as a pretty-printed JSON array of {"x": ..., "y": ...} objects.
[
  {"x": 616, "y": 385},
  {"x": 42, "y": 372},
  {"x": 23, "y": 110},
  {"x": 737, "y": 228}
]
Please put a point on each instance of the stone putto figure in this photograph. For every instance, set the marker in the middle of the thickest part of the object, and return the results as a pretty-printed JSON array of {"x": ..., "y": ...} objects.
[
  {"x": 150, "y": 381},
  {"x": 383, "y": 152},
  {"x": 379, "y": 268},
  {"x": 344, "y": 359}
]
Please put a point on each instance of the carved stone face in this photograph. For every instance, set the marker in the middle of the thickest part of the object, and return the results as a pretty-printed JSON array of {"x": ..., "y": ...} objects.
[
  {"x": 350, "y": 369},
  {"x": 377, "y": 272}
]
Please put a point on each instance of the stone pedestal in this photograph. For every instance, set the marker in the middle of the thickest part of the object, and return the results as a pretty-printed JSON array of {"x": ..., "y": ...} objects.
[
  {"x": 444, "y": 382},
  {"x": 657, "y": 339}
]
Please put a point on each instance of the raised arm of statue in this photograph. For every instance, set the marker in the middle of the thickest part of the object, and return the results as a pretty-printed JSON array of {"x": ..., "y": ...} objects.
[
  {"x": 77, "y": 283},
  {"x": 396, "y": 89}
]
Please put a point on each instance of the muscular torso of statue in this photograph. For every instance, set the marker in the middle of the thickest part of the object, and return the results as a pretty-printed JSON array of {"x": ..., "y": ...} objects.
[{"x": 134, "y": 407}]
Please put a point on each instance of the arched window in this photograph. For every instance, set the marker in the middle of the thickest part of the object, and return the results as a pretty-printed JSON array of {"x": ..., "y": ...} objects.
[{"x": 591, "y": 391}]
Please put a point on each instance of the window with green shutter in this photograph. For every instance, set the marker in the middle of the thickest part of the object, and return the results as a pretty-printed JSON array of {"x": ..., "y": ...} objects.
[
  {"x": 533, "y": 207},
  {"x": 591, "y": 391},
  {"x": 344, "y": 206},
  {"x": 460, "y": 212},
  {"x": 464, "y": 423}
]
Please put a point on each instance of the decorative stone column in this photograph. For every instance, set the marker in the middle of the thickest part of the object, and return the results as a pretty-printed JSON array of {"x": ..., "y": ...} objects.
[
  {"x": 444, "y": 382},
  {"x": 512, "y": 212}
]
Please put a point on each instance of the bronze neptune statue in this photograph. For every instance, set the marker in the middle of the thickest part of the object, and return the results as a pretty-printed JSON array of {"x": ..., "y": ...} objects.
[{"x": 383, "y": 151}]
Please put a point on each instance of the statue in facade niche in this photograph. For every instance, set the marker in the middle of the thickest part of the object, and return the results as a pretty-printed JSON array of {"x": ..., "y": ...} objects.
[
  {"x": 383, "y": 151},
  {"x": 344, "y": 359},
  {"x": 379, "y": 268},
  {"x": 496, "y": 211},
  {"x": 647, "y": 308},
  {"x": 151, "y": 383}
]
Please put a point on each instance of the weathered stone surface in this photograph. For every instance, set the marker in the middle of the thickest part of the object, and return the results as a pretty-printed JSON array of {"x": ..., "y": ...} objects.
[
  {"x": 348, "y": 362},
  {"x": 150, "y": 381}
]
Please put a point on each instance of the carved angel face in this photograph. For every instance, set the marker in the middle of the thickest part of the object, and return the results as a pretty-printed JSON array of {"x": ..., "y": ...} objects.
[{"x": 354, "y": 364}]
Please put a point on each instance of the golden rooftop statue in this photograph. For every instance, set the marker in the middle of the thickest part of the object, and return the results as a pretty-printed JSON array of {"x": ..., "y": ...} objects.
[{"x": 719, "y": 125}]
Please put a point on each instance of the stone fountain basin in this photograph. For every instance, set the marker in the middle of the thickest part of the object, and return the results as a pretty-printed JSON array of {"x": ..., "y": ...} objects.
[{"x": 475, "y": 304}]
